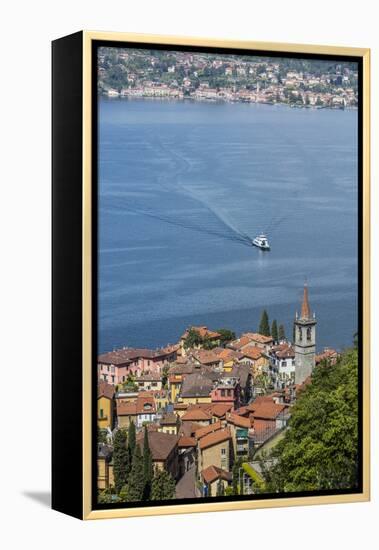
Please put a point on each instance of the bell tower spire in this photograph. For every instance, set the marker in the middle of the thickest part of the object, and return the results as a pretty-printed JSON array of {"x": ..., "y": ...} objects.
[
  {"x": 305, "y": 340},
  {"x": 305, "y": 309}
]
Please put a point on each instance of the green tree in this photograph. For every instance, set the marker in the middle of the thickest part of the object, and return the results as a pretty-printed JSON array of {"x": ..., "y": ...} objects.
[
  {"x": 319, "y": 101},
  {"x": 147, "y": 466},
  {"x": 281, "y": 333},
  {"x": 263, "y": 381},
  {"x": 356, "y": 340},
  {"x": 220, "y": 489},
  {"x": 226, "y": 335},
  {"x": 193, "y": 339},
  {"x": 105, "y": 497},
  {"x": 208, "y": 343},
  {"x": 131, "y": 440},
  {"x": 101, "y": 435},
  {"x": 274, "y": 331},
  {"x": 264, "y": 326},
  {"x": 165, "y": 376},
  {"x": 123, "y": 494},
  {"x": 236, "y": 473},
  {"x": 136, "y": 482},
  {"x": 320, "y": 450},
  {"x": 121, "y": 462},
  {"x": 163, "y": 486}
]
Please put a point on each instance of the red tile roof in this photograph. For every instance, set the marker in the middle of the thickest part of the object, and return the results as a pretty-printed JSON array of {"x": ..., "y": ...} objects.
[
  {"x": 263, "y": 429},
  {"x": 327, "y": 355},
  {"x": 240, "y": 343},
  {"x": 161, "y": 444},
  {"x": 127, "y": 409},
  {"x": 260, "y": 338},
  {"x": 212, "y": 473},
  {"x": 148, "y": 378},
  {"x": 206, "y": 357},
  {"x": 229, "y": 354},
  {"x": 144, "y": 404},
  {"x": 267, "y": 410},
  {"x": 286, "y": 352},
  {"x": 205, "y": 430},
  {"x": 126, "y": 355},
  {"x": 180, "y": 406},
  {"x": 186, "y": 441},
  {"x": 252, "y": 352},
  {"x": 214, "y": 438},
  {"x": 220, "y": 409},
  {"x": 105, "y": 390},
  {"x": 239, "y": 421},
  {"x": 196, "y": 414}
]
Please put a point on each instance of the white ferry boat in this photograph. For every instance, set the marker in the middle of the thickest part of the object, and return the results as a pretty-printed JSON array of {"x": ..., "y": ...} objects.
[{"x": 261, "y": 242}]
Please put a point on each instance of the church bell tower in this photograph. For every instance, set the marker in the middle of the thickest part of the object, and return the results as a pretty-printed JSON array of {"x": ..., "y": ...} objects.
[{"x": 305, "y": 340}]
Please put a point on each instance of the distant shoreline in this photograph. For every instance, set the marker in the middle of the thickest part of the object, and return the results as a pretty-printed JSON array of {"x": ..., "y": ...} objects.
[{"x": 224, "y": 101}]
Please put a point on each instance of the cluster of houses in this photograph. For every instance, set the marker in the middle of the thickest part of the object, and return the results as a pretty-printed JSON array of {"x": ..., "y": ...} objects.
[
  {"x": 233, "y": 79},
  {"x": 204, "y": 408}
]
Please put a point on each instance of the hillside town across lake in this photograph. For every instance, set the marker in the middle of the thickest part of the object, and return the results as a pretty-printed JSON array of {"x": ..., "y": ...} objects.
[
  {"x": 132, "y": 73},
  {"x": 202, "y": 410}
]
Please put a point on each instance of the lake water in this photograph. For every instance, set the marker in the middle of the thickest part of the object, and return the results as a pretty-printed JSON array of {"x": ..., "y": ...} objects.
[{"x": 181, "y": 183}]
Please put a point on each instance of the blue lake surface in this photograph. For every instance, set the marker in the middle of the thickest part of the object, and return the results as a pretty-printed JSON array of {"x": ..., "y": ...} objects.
[{"x": 182, "y": 182}]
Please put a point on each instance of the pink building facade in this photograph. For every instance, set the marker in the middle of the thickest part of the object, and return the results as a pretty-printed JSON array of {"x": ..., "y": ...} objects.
[
  {"x": 228, "y": 391},
  {"x": 114, "y": 367}
]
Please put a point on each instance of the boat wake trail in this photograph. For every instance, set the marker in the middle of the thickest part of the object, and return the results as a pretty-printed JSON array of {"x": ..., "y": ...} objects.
[
  {"x": 213, "y": 227},
  {"x": 183, "y": 166},
  {"x": 186, "y": 224}
]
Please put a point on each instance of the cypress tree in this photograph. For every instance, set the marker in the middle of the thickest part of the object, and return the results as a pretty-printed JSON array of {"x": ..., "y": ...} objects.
[
  {"x": 121, "y": 462},
  {"x": 236, "y": 475},
  {"x": 147, "y": 467},
  {"x": 264, "y": 326},
  {"x": 274, "y": 331},
  {"x": 136, "y": 481},
  {"x": 220, "y": 489},
  {"x": 281, "y": 333},
  {"x": 163, "y": 486},
  {"x": 131, "y": 440}
]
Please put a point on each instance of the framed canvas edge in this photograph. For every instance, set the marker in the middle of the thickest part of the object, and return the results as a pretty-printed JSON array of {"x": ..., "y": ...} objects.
[{"x": 364, "y": 496}]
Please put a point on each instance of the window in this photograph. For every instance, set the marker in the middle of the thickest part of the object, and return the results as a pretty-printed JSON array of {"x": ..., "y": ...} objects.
[
  {"x": 223, "y": 451},
  {"x": 101, "y": 413},
  {"x": 284, "y": 364},
  {"x": 309, "y": 334},
  {"x": 113, "y": 378},
  {"x": 222, "y": 393},
  {"x": 300, "y": 334}
]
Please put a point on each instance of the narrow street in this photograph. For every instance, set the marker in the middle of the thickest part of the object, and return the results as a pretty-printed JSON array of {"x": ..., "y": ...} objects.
[{"x": 186, "y": 488}]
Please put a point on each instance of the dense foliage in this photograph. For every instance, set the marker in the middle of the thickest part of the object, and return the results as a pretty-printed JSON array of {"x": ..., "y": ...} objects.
[
  {"x": 226, "y": 335},
  {"x": 320, "y": 448},
  {"x": 264, "y": 325},
  {"x": 274, "y": 331},
  {"x": 120, "y": 460},
  {"x": 163, "y": 486},
  {"x": 281, "y": 333},
  {"x": 134, "y": 475}
]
